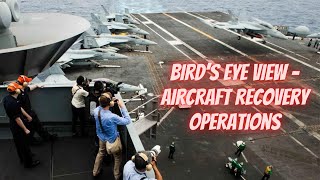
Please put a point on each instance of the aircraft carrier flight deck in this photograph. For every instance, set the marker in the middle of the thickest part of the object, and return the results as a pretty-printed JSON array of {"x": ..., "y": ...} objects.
[{"x": 185, "y": 37}]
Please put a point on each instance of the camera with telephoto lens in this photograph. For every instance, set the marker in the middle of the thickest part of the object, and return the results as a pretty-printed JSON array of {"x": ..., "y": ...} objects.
[
  {"x": 112, "y": 88},
  {"x": 154, "y": 152}
]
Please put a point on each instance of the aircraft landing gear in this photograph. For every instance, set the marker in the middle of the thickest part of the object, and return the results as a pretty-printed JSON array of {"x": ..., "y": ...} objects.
[{"x": 239, "y": 37}]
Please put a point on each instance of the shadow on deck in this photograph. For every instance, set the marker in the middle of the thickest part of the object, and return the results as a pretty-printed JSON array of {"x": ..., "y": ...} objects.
[{"x": 66, "y": 159}]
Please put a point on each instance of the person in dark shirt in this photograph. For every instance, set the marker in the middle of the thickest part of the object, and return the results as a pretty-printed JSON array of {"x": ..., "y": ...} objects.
[
  {"x": 17, "y": 125},
  {"x": 29, "y": 113},
  {"x": 98, "y": 88},
  {"x": 172, "y": 150}
]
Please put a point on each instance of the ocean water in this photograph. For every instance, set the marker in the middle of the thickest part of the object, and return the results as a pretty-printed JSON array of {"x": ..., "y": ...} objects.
[{"x": 290, "y": 13}]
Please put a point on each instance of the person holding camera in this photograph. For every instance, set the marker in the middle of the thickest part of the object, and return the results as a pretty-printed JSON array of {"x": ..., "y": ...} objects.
[
  {"x": 98, "y": 89},
  {"x": 106, "y": 129},
  {"x": 78, "y": 104},
  {"x": 19, "y": 130},
  {"x": 136, "y": 168}
]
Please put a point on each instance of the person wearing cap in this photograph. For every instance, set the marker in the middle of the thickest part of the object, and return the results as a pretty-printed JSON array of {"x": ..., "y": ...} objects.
[
  {"x": 267, "y": 172},
  {"x": 29, "y": 113},
  {"x": 172, "y": 150},
  {"x": 136, "y": 168},
  {"x": 78, "y": 104},
  {"x": 18, "y": 128},
  {"x": 240, "y": 147}
]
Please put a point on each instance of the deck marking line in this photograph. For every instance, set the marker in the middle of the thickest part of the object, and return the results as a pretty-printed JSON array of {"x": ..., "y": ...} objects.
[{"x": 279, "y": 52}]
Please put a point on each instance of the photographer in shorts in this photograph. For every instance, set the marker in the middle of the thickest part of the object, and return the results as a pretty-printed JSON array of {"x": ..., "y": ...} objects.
[{"x": 136, "y": 168}]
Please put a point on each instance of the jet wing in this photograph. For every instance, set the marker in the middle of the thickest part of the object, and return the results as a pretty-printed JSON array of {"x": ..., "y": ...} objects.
[
  {"x": 238, "y": 26},
  {"x": 227, "y": 25},
  {"x": 102, "y": 41},
  {"x": 116, "y": 27},
  {"x": 81, "y": 56},
  {"x": 63, "y": 60},
  {"x": 249, "y": 26},
  {"x": 115, "y": 40}
]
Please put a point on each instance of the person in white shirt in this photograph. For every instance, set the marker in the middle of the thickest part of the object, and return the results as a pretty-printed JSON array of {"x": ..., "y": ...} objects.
[{"x": 78, "y": 104}]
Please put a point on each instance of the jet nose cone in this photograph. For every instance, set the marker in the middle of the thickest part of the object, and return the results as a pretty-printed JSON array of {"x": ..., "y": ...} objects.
[
  {"x": 279, "y": 35},
  {"x": 115, "y": 56},
  {"x": 133, "y": 21},
  {"x": 140, "y": 31},
  {"x": 121, "y": 56},
  {"x": 314, "y": 35},
  {"x": 143, "y": 32},
  {"x": 148, "y": 42}
]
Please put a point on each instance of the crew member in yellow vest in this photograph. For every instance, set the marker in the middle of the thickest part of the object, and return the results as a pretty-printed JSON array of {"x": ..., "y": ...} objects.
[{"x": 267, "y": 172}]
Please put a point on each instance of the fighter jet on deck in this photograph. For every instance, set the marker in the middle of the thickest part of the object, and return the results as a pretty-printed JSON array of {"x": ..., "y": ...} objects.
[
  {"x": 314, "y": 35},
  {"x": 126, "y": 17},
  {"x": 300, "y": 31},
  {"x": 253, "y": 28},
  {"x": 85, "y": 57},
  {"x": 116, "y": 26},
  {"x": 104, "y": 37}
]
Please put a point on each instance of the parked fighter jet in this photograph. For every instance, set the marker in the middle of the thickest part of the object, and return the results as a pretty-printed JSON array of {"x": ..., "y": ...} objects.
[
  {"x": 91, "y": 40},
  {"x": 254, "y": 28},
  {"x": 300, "y": 31},
  {"x": 85, "y": 57},
  {"x": 116, "y": 26},
  {"x": 126, "y": 17}
]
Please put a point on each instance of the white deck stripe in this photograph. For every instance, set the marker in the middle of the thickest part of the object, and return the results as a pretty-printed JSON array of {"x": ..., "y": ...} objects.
[
  {"x": 288, "y": 51},
  {"x": 187, "y": 46},
  {"x": 164, "y": 38},
  {"x": 288, "y": 115},
  {"x": 294, "y": 119},
  {"x": 165, "y": 116},
  {"x": 207, "y": 35},
  {"x": 298, "y": 142},
  {"x": 259, "y": 44},
  {"x": 174, "y": 37}
]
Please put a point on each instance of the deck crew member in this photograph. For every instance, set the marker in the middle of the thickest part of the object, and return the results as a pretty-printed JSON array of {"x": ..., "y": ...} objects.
[
  {"x": 17, "y": 125},
  {"x": 34, "y": 122},
  {"x": 109, "y": 138},
  {"x": 267, "y": 172},
  {"x": 78, "y": 104},
  {"x": 240, "y": 147},
  {"x": 172, "y": 150}
]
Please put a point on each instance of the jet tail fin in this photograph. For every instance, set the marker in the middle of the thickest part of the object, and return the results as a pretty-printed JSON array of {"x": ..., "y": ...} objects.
[
  {"x": 143, "y": 91},
  {"x": 233, "y": 16},
  {"x": 118, "y": 18},
  {"x": 101, "y": 28},
  {"x": 89, "y": 42},
  {"x": 105, "y": 10},
  {"x": 96, "y": 18},
  {"x": 126, "y": 10}
]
